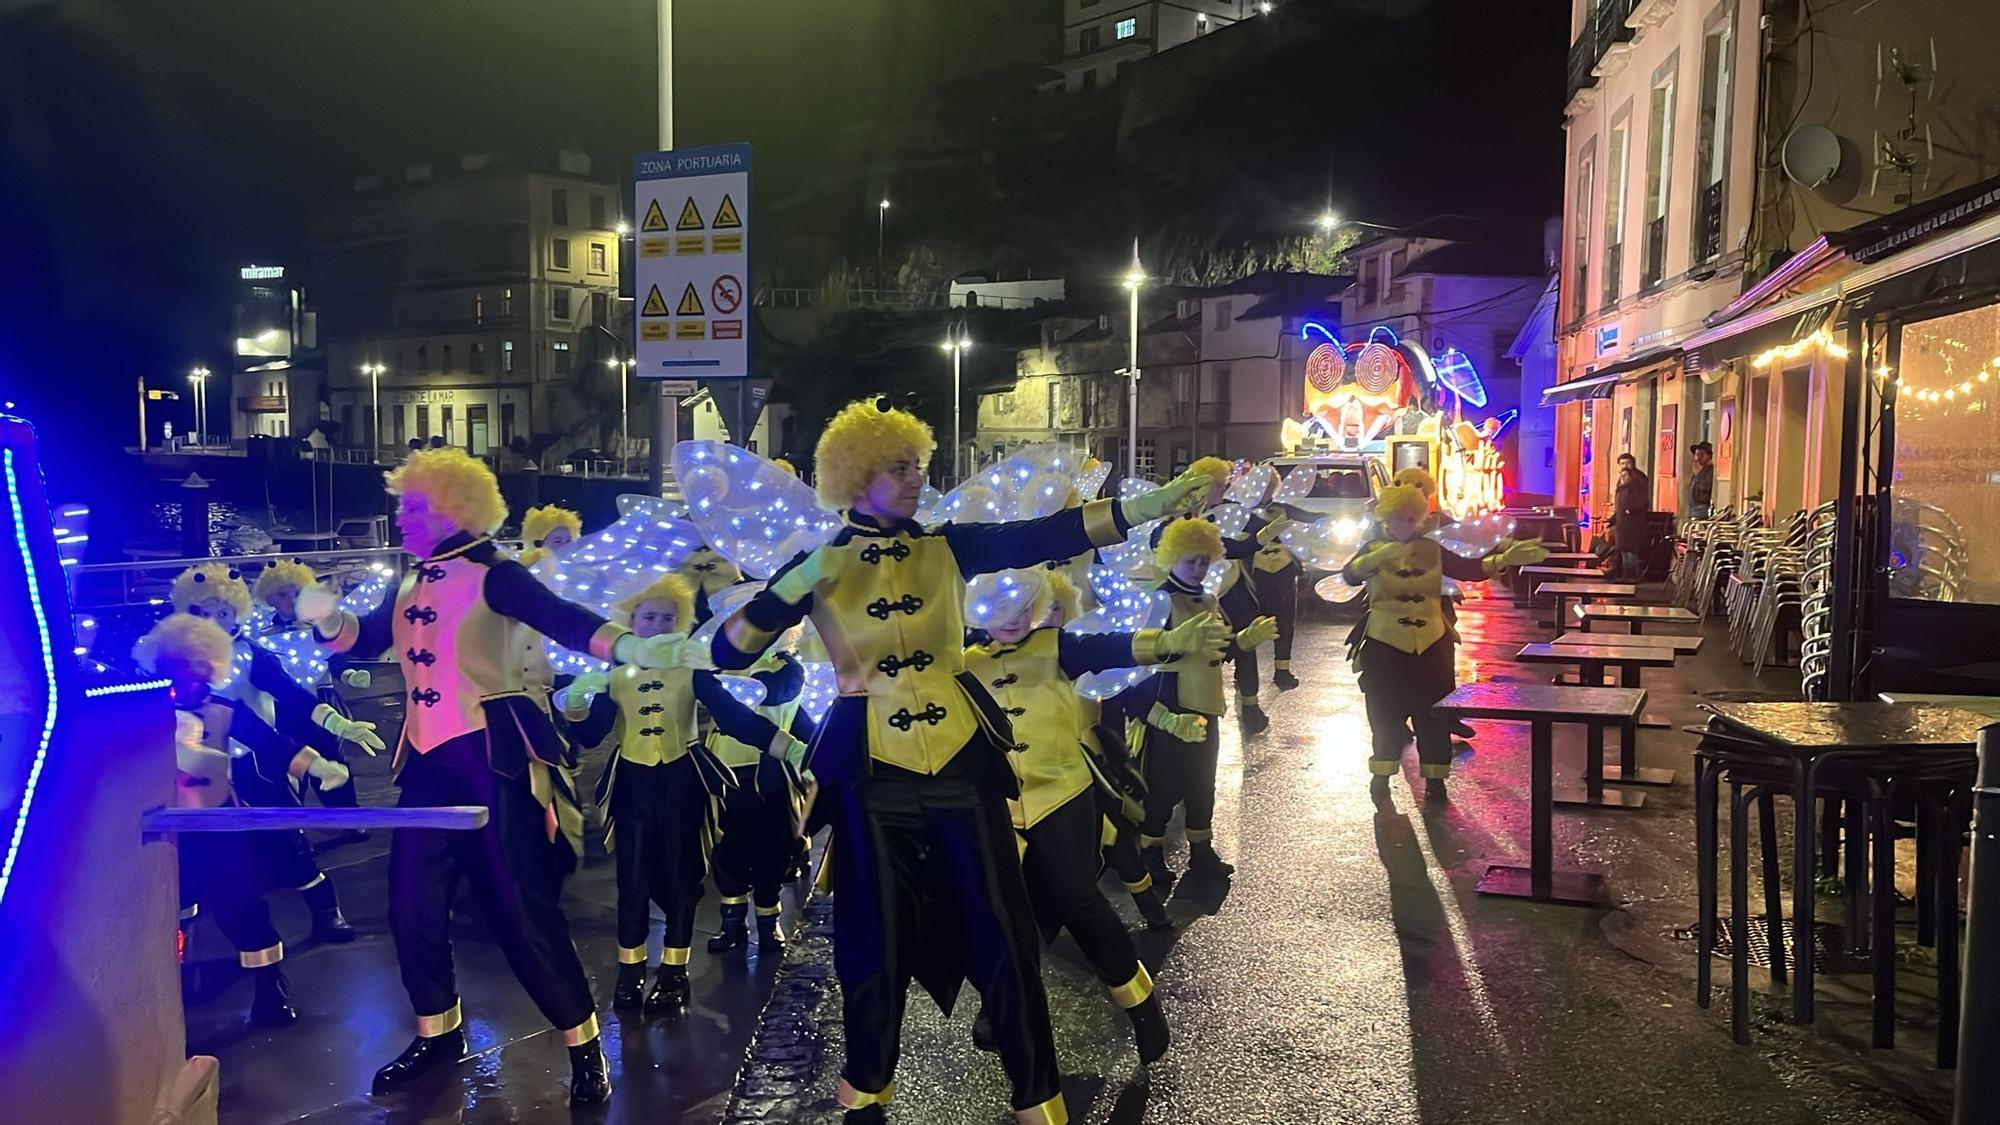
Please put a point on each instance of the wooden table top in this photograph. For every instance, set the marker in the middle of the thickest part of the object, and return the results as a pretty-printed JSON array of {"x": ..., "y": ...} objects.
[
  {"x": 1542, "y": 571},
  {"x": 1557, "y": 702},
  {"x": 1572, "y": 589},
  {"x": 1678, "y": 642},
  {"x": 1863, "y": 725},
  {"x": 1574, "y": 556},
  {"x": 1542, "y": 652},
  {"x": 1649, "y": 612}
]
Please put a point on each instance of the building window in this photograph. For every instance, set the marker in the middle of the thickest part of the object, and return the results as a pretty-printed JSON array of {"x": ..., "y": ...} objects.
[
  {"x": 475, "y": 429},
  {"x": 1125, "y": 29},
  {"x": 506, "y": 423},
  {"x": 507, "y": 301},
  {"x": 1659, "y": 173},
  {"x": 479, "y": 306},
  {"x": 1087, "y": 40},
  {"x": 477, "y": 360},
  {"x": 424, "y": 422},
  {"x": 559, "y": 253},
  {"x": 401, "y": 431},
  {"x": 597, "y": 212},
  {"x": 1146, "y": 458},
  {"x": 423, "y": 359},
  {"x": 561, "y": 350},
  {"x": 1711, "y": 156},
  {"x": 559, "y": 207},
  {"x": 447, "y": 360},
  {"x": 450, "y": 438},
  {"x": 506, "y": 357},
  {"x": 559, "y": 303},
  {"x": 1371, "y": 269},
  {"x": 1222, "y": 316},
  {"x": 1586, "y": 187},
  {"x": 347, "y": 424},
  {"x": 1616, "y": 151},
  {"x": 600, "y": 307},
  {"x": 1392, "y": 274},
  {"x": 600, "y": 258}
]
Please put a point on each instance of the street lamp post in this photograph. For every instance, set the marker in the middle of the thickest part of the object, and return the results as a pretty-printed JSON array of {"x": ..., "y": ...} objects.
[
  {"x": 374, "y": 372},
  {"x": 199, "y": 377},
  {"x": 624, "y": 368},
  {"x": 956, "y": 341},
  {"x": 881, "y": 224},
  {"x": 666, "y": 408},
  {"x": 1134, "y": 278}
]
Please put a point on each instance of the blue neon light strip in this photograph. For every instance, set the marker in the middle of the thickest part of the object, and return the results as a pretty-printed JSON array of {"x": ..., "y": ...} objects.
[
  {"x": 1386, "y": 331},
  {"x": 1316, "y": 326},
  {"x": 1458, "y": 373},
  {"x": 1506, "y": 418},
  {"x": 48, "y": 674}
]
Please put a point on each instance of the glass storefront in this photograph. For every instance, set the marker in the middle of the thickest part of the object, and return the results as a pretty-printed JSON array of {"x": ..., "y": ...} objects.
[{"x": 1947, "y": 460}]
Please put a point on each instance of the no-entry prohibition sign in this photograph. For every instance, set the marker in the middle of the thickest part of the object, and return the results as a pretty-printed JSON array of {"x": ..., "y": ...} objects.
[{"x": 726, "y": 293}]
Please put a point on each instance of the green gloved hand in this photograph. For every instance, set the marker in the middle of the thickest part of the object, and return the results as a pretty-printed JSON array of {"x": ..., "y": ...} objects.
[
  {"x": 1522, "y": 552},
  {"x": 589, "y": 683},
  {"x": 360, "y": 733},
  {"x": 357, "y": 678},
  {"x": 1176, "y": 495},
  {"x": 1187, "y": 728},
  {"x": 790, "y": 749},
  {"x": 1256, "y": 633},
  {"x": 821, "y": 566},
  {"x": 1269, "y": 533},
  {"x": 1202, "y": 634},
  {"x": 331, "y": 774},
  {"x": 670, "y": 650},
  {"x": 1373, "y": 557}
]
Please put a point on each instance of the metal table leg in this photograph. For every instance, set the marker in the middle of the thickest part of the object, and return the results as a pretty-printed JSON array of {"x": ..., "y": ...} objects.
[
  {"x": 1705, "y": 772},
  {"x": 1594, "y": 792},
  {"x": 1802, "y": 890},
  {"x": 1540, "y": 880},
  {"x": 1883, "y": 890},
  {"x": 1739, "y": 920},
  {"x": 1774, "y": 900}
]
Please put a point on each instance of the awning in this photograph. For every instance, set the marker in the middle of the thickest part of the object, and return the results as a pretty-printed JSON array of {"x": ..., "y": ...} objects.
[
  {"x": 1786, "y": 322},
  {"x": 1601, "y": 382}
]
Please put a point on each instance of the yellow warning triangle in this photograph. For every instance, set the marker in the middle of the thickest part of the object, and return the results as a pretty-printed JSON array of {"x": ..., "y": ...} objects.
[
  {"x": 690, "y": 304},
  {"x": 690, "y": 216},
  {"x": 656, "y": 305},
  {"x": 654, "y": 220},
  {"x": 726, "y": 217}
]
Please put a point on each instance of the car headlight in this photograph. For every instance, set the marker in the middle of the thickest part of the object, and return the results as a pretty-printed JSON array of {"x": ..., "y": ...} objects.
[{"x": 1346, "y": 530}]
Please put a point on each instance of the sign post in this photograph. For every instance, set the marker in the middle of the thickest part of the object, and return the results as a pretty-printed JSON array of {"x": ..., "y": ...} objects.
[{"x": 693, "y": 266}]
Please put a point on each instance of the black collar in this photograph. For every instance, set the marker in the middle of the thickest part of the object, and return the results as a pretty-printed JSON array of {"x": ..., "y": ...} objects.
[{"x": 869, "y": 525}]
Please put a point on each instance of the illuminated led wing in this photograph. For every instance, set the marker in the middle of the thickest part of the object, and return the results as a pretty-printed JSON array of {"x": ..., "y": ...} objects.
[
  {"x": 1326, "y": 543},
  {"x": 1476, "y": 536},
  {"x": 1230, "y": 519},
  {"x": 801, "y": 640},
  {"x": 1297, "y": 485},
  {"x": 996, "y": 597},
  {"x": 1249, "y": 486},
  {"x": 725, "y": 602},
  {"x": 643, "y": 543},
  {"x": 1090, "y": 479},
  {"x": 929, "y": 501},
  {"x": 302, "y": 656},
  {"x": 1122, "y": 607},
  {"x": 753, "y": 513},
  {"x": 1132, "y": 559},
  {"x": 1033, "y": 481}
]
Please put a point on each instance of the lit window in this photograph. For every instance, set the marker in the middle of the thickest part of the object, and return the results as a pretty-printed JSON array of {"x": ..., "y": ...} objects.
[
  {"x": 1126, "y": 29},
  {"x": 561, "y": 350},
  {"x": 599, "y": 258},
  {"x": 507, "y": 356}
]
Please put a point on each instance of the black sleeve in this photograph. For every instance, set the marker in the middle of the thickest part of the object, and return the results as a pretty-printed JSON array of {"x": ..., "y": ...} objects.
[
  {"x": 270, "y": 752},
  {"x": 1081, "y": 655},
  {"x": 1461, "y": 568},
  {"x": 751, "y": 629},
  {"x": 732, "y": 717},
  {"x": 982, "y": 548},
  {"x": 1238, "y": 604},
  {"x": 378, "y": 631},
  {"x": 1246, "y": 546},
  {"x": 514, "y": 591},
  {"x": 295, "y": 705},
  {"x": 593, "y": 728},
  {"x": 783, "y": 683}
]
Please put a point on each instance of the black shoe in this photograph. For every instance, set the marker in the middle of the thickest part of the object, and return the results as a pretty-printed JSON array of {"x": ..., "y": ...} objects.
[
  {"x": 734, "y": 935},
  {"x": 1434, "y": 790},
  {"x": 1202, "y": 860},
  {"x": 866, "y": 1115},
  {"x": 272, "y": 1005},
  {"x": 1284, "y": 680},
  {"x": 770, "y": 935},
  {"x": 630, "y": 991},
  {"x": 670, "y": 988},
  {"x": 329, "y": 925},
  {"x": 1149, "y": 1028},
  {"x": 424, "y": 1054},
  {"x": 352, "y": 836},
  {"x": 982, "y": 1034},
  {"x": 1461, "y": 729},
  {"x": 1156, "y": 863},
  {"x": 589, "y": 1081},
  {"x": 1153, "y": 909},
  {"x": 1254, "y": 720}
]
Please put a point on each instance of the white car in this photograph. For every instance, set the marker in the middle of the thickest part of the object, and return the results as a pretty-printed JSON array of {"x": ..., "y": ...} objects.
[{"x": 1344, "y": 486}]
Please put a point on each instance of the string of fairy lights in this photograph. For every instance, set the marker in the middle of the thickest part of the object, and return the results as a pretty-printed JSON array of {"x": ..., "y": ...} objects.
[{"x": 1967, "y": 394}]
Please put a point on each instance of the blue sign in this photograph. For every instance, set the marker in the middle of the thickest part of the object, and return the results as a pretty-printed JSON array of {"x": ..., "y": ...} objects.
[{"x": 1607, "y": 338}]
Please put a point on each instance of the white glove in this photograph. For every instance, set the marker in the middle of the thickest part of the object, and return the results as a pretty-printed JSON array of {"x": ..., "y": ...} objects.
[
  {"x": 790, "y": 749},
  {"x": 357, "y": 678},
  {"x": 317, "y": 605},
  {"x": 589, "y": 683},
  {"x": 360, "y": 733},
  {"x": 331, "y": 774}
]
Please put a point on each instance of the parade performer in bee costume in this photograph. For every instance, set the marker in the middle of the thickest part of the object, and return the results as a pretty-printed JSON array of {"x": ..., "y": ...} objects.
[
  {"x": 1405, "y": 657},
  {"x": 277, "y": 587},
  {"x": 1274, "y": 575},
  {"x": 1176, "y": 706},
  {"x": 660, "y": 787},
  {"x": 547, "y": 531},
  {"x": 257, "y": 680},
  {"x": 708, "y": 574},
  {"x": 761, "y": 850},
  {"x": 472, "y": 736},
  {"x": 910, "y": 759},
  {"x": 226, "y": 873},
  {"x": 1031, "y": 670}
]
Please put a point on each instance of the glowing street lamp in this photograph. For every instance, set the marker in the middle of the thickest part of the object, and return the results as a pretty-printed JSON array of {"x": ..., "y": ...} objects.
[
  {"x": 956, "y": 341},
  {"x": 881, "y": 223},
  {"x": 374, "y": 372},
  {"x": 199, "y": 377},
  {"x": 624, "y": 368},
  {"x": 1135, "y": 276}
]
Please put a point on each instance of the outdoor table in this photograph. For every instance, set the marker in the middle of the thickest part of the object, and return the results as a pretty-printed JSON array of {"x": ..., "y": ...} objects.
[
  {"x": 1542, "y": 706},
  {"x": 1639, "y": 616},
  {"x": 1592, "y": 662},
  {"x": 1562, "y": 592},
  {"x": 1678, "y": 642},
  {"x": 1545, "y": 526},
  {"x": 1810, "y": 735},
  {"x": 1987, "y": 705},
  {"x": 1586, "y": 559},
  {"x": 1524, "y": 576}
]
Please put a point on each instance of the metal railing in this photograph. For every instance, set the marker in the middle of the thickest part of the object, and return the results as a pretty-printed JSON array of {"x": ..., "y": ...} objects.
[
  {"x": 97, "y": 587},
  {"x": 1605, "y": 27}
]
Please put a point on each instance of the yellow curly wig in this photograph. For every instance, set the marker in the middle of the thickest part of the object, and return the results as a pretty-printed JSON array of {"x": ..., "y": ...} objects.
[
  {"x": 1186, "y": 539},
  {"x": 278, "y": 575},
  {"x": 1418, "y": 479},
  {"x": 183, "y": 644},
  {"x": 1063, "y": 593},
  {"x": 208, "y": 582},
  {"x": 456, "y": 484},
  {"x": 1216, "y": 467},
  {"x": 536, "y": 525},
  {"x": 859, "y": 443},
  {"x": 1401, "y": 500},
  {"x": 666, "y": 588},
  {"x": 785, "y": 465}
]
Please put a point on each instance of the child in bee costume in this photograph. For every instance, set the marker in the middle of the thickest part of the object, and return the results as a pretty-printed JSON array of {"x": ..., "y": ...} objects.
[
  {"x": 1177, "y": 706},
  {"x": 1031, "y": 669},
  {"x": 226, "y": 873},
  {"x": 1274, "y": 575},
  {"x": 760, "y": 850},
  {"x": 277, "y": 587},
  {"x": 660, "y": 787},
  {"x": 911, "y": 757},
  {"x": 1405, "y": 658}
]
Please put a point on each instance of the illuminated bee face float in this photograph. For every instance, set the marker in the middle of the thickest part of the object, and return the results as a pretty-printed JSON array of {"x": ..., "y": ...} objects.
[{"x": 1355, "y": 392}]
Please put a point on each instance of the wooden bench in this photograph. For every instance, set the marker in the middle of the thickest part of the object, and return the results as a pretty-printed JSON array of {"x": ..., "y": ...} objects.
[
  {"x": 1678, "y": 642},
  {"x": 1542, "y": 706},
  {"x": 1639, "y": 616},
  {"x": 1562, "y": 592}
]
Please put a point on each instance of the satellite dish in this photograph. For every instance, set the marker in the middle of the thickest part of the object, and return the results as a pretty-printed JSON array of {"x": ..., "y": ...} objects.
[{"x": 1811, "y": 155}]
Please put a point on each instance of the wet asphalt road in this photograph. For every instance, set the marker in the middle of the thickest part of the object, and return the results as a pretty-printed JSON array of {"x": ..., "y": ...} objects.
[{"x": 1348, "y": 973}]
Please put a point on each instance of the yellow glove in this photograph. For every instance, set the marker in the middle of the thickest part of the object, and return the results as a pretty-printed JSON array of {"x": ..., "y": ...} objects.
[
  {"x": 357, "y": 678},
  {"x": 1269, "y": 533},
  {"x": 818, "y": 568},
  {"x": 1187, "y": 728},
  {"x": 1256, "y": 633},
  {"x": 1522, "y": 552},
  {"x": 331, "y": 774},
  {"x": 670, "y": 650},
  {"x": 1176, "y": 495},
  {"x": 1373, "y": 558},
  {"x": 790, "y": 749},
  {"x": 1201, "y": 634},
  {"x": 351, "y": 730}
]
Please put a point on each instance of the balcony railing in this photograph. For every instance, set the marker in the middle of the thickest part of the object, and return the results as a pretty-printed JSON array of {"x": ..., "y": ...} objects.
[
  {"x": 1708, "y": 224},
  {"x": 1654, "y": 265},
  {"x": 1614, "y": 272},
  {"x": 1605, "y": 28}
]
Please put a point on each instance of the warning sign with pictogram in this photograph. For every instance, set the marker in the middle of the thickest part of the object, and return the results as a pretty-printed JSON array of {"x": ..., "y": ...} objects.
[
  {"x": 692, "y": 262},
  {"x": 726, "y": 217}
]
